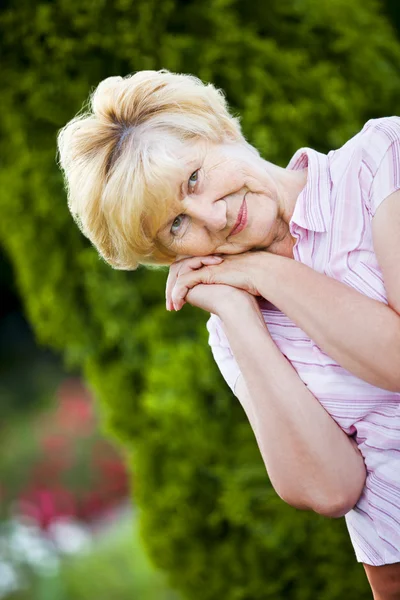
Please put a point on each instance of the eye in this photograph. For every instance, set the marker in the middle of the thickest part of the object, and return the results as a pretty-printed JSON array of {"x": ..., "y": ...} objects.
[
  {"x": 176, "y": 225},
  {"x": 193, "y": 180}
]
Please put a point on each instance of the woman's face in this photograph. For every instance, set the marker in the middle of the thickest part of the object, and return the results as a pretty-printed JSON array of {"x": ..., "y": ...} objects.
[{"x": 228, "y": 202}]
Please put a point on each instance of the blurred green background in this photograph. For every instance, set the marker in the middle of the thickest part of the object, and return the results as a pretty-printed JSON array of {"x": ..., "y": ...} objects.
[{"x": 145, "y": 482}]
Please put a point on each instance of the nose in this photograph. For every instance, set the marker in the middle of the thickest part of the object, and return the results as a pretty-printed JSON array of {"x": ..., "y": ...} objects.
[{"x": 208, "y": 213}]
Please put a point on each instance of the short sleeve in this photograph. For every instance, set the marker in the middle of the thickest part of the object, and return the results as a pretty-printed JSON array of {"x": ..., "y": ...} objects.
[
  {"x": 382, "y": 157},
  {"x": 222, "y": 352}
]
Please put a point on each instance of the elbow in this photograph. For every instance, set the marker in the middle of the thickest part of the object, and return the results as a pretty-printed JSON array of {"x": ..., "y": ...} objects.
[
  {"x": 293, "y": 499},
  {"x": 334, "y": 510},
  {"x": 333, "y": 502},
  {"x": 335, "y": 506},
  {"x": 341, "y": 501},
  {"x": 339, "y": 506}
]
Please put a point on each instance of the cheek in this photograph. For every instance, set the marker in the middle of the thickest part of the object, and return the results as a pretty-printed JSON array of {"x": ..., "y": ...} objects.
[
  {"x": 263, "y": 204},
  {"x": 197, "y": 244},
  {"x": 262, "y": 216}
]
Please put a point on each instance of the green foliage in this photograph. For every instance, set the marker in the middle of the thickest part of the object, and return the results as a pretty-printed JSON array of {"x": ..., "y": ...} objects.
[
  {"x": 392, "y": 10},
  {"x": 299, "y": 72}
]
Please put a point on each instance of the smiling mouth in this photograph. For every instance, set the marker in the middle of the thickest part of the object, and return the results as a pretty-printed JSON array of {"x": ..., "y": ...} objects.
[{"x": 241, "y": 220}]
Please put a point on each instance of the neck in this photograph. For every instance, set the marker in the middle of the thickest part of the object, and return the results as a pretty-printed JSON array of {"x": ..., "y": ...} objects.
[
  {"x": 289, "y": 186},
  {"x": 283, "y": 243}
]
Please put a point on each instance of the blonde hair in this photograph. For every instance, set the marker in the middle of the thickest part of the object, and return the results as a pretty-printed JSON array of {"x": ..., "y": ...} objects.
[{"x": 118, "y": 162}]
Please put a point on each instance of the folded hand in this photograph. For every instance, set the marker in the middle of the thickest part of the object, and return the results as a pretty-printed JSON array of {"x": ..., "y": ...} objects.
[{"x": 236, "y": 271}]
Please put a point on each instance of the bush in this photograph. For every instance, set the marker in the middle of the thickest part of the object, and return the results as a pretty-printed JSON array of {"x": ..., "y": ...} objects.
[{"x": 299, "y": 73}]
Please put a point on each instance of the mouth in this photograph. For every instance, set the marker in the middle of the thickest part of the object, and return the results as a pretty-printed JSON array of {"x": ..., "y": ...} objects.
[{"x": 241, "y": 220}]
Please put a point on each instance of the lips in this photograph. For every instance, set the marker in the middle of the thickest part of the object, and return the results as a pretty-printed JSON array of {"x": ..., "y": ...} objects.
[{"x": 241, "y": 220}]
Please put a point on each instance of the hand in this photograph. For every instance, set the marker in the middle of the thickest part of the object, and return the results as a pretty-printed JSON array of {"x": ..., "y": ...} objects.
[
  {"x": 239, "y": 271},
  {"x": 185, "y": 265},
  {"x": 212, "y": 298},
  {"x": 221, "y": 299}
]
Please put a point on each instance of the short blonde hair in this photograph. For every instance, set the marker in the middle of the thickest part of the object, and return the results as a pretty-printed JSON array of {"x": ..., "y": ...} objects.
[{"x": 118, "y": 164}]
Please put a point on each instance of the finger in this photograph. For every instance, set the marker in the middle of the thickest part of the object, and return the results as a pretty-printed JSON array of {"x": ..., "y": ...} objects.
[
  {"x": 188, "y": 266},
  {"x": 187, "y": 282},
  {"x": 173, "y": 274},
  {"x": 185, "y": 266}
]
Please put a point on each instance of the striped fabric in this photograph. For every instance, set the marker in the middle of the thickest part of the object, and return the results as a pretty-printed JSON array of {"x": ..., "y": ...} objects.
[{"x": 332, "y": 227}]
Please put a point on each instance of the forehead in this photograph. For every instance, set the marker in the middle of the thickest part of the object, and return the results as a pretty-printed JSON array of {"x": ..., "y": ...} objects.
[
  {"x": 191, "y": 151},
  {"x": 187, "y": 158}
]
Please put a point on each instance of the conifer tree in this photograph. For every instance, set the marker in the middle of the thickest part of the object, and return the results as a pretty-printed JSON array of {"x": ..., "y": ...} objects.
[{"x": 306, "y": 73}]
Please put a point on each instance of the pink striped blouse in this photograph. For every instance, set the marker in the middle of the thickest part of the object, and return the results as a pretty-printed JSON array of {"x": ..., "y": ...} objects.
[{"x": 332, "y": 227}]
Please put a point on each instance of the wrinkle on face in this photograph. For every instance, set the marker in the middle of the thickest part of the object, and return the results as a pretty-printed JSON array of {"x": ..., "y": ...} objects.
[{"x": 230, "y": 172}]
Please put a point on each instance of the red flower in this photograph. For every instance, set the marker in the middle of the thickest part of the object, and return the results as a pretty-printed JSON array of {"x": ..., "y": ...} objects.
[{"x": 46, "y": 504}]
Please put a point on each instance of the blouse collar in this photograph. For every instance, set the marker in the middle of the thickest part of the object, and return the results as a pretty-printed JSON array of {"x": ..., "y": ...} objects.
[{"x": 312, "y": 210}]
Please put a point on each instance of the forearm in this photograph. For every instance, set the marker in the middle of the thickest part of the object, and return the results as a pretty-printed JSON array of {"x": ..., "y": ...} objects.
[
  {"x": 311, "y": 462},
  {"x": 359, "y": 333}
]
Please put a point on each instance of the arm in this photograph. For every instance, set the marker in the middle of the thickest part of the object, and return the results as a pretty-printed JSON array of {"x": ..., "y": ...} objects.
[
  {"x": 311, "y": 462},
  {"x": 361, "y": 334}
]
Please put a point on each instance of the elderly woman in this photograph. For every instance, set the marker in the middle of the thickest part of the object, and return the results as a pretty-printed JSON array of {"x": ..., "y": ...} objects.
[{"x": 298, "y": 266}]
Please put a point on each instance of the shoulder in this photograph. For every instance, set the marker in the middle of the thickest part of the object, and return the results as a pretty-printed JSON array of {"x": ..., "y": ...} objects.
[
  {"x": 372, "y": 142},
  {"x": 381, "y": 157},
  {"x": 370, "y": 162},
  {"x": 377, "y": 137},
  {"x": 387, "y": 129}
]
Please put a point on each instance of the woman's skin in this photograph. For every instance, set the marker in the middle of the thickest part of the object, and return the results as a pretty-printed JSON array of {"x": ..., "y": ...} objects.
[
  {"x": 384, "y": 581},
  {"x": 324, "y": 471},
  {"x": 330, "y": 312},
  {"x": 276, "y": 401},
  {"x": 310, "y": 461},
  {"x": 219, "y": 178}
]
